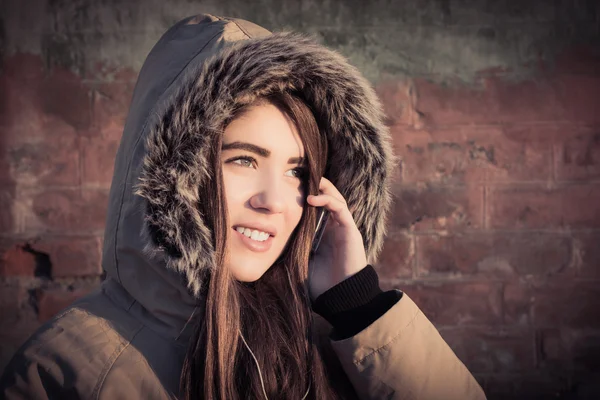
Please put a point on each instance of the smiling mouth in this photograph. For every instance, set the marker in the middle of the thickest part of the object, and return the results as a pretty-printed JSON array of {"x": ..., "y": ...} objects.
[
  {"x": 255, "y": 245},
  {"x": 253, "y": 234}
]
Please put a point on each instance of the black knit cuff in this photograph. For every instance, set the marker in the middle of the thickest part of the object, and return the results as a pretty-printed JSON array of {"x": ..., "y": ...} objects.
[
  {"x": 350, "y": 293},
  {"x": 348, "y": 323},
  {"x": 355, "y": 303}
]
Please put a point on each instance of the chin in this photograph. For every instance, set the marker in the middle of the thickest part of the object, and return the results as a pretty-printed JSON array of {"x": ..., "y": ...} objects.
[{"x": 248, "y": 273}]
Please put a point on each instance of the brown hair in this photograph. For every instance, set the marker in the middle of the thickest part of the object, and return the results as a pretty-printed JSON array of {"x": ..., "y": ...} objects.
[{"x": 273, "y": 314}]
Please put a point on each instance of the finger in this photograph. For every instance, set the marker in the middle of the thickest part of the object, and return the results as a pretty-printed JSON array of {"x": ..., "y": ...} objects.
[
  {"x": 339, "y": 211},
  {"x": 327, "y": 187}
]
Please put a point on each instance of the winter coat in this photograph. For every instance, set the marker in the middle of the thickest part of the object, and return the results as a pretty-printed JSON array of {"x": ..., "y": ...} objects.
[{"x": 128, "y": 339}]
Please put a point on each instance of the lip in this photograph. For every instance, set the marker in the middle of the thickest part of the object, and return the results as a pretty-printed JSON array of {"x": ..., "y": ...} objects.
[
  {"x": 253, "y": 245},
  {"x": 259, "y": 227}
]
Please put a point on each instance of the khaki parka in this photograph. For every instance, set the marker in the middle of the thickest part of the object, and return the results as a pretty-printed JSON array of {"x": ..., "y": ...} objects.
[{"x": 128, "y": 339}]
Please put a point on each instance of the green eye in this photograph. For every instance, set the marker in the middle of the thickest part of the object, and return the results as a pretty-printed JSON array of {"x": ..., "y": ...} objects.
[
  {"x": 244, "y": 161},
  {"x": 299, "y": 173}
]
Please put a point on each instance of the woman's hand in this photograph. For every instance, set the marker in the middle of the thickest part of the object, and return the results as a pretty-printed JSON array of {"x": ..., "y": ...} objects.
[{"x": 341, "y": 253}]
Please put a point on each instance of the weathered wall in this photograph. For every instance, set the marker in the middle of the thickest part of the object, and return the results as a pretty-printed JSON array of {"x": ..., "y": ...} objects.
[{"x": 495, "y": 110}]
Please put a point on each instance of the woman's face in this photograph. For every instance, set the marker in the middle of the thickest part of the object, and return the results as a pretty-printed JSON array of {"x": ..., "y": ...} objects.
[{"x": 263, "y": 170}]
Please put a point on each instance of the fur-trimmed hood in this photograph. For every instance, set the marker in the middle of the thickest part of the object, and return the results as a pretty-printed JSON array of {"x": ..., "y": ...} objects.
[{"x": 157, "y": 245}]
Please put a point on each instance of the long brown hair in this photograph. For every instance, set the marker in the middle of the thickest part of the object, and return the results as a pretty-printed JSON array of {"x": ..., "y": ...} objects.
[{"x": 273, "y": 314}]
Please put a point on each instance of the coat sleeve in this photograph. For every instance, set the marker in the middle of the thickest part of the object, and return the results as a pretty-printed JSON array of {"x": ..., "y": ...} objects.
[
  {"x": 402, "y": 356},
  {"x": 38, "y": 378},
  {"x": 74, "y": 356}
]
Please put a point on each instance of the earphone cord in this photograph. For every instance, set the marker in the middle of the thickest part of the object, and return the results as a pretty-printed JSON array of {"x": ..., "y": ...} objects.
[{"x": 262, "y": 383}]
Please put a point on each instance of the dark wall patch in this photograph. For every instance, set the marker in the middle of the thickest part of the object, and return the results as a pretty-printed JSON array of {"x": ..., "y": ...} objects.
[
  {"x": 62, "y": 51},
  {"x": 2, "y": 43},
  {"x": 43, "y": 265}
]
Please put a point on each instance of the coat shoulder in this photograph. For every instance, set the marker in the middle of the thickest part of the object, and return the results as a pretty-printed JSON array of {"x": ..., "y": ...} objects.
[
  {"x": 403, "y": 356},
  {"x": 70, "y": 355}
]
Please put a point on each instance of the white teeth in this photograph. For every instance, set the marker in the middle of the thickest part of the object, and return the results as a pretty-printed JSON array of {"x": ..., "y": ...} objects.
[{"x": 253, "y": 234}]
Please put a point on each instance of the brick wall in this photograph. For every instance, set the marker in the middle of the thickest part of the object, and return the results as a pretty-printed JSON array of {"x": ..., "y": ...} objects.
[
  {"x": 495, "y": 225},
  {"x": 494, "y": 107},
  {"x": 58, "y": 137}
]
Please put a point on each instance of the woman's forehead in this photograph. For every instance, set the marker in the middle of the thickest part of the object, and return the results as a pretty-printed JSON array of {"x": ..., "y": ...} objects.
[{"x": 267, "y": 127}]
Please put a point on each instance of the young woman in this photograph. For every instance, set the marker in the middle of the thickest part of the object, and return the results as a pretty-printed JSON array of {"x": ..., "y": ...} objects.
[{"x": 235, "y": 140}]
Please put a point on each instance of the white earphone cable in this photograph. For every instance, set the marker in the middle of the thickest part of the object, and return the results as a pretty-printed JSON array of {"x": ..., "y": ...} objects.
[{"x": 262, "y": 383}]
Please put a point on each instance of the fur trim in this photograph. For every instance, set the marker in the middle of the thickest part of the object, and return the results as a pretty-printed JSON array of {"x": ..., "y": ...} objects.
[{"x": 346, "y": 107}]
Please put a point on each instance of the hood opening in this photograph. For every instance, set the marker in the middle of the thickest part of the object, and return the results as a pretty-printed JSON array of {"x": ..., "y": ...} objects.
[{"x": 162, "y": 163}]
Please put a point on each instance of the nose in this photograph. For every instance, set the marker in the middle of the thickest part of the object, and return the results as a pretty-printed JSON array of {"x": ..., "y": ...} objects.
[{"x": 269, "y": 198}]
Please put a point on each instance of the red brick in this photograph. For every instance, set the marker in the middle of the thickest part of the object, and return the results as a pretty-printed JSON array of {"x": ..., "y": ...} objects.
[
  {"x": 517, "y": 304},
  {"x": 550, "y": 347},
  {"x": 396, "y": 259},
  {"x": 60, "y": 210},
  {"x": 574, "y": 146},
  {"x": 506, "y": 157},
  {"x": 495, "y": 255},
  {"x": 434, "y": 156},
  {"x": 17, "y": 317},
  {"x": 13, "y": 304},
  {"x": 7, "y": 218},
  {"x": 35, "y": 128},
  {"x": 111, "y": 103},
  {"x": 461, "y": 155},
  {"x": 458, "y": 303},
  {"x": 399, "y": 99},
  {"x": 528, "y": 101},
  {"x": 573, "y": 348},
  {"x": 538, "y": 134},
  {"x": 577, "y": 156},
  {"x": 35, "y": 100},
  {"x": 587, "y": 253},
  {"x": 65, "y": 96},
  {"x": 453, "y": 103},
  {"x": 584, "y": 348},
  {"x": 48, "y": 158},
  {"x": 20, "y": 107},
  {"x": 15, "y": 260},
  {"x": 6, "y": 178},
  {"x": 72, "y": 256},
  {"x": 530, "y": 385},
  {"x": 567, "y": 304},
  {"x": 458, "y": 255},
  {"x": 110, "y": 72},
  {"x": 51, "y": 301},
  {"x": 491, "y": 100},
  {"x": 437, "y": 208},
  {"x": 11, "y": 343},
  {"x": 573, "y": 206},
  {"x": 492, "y": 351},
  {"x": 578, "y": 60},
  {"x": 580, "y": 95},
  {"x": 19, "y": 217},
  {"x": 22, "y": 67},
  {"x": 548, "y": 97},
  {"x": 98, "y": 160}
]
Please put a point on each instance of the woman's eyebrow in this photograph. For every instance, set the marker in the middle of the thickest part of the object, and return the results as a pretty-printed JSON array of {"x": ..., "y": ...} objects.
[
  {"x": 248, "y": 147},
  {"x": 261, "y": 151},
  {"x": 296, "y": 160}
]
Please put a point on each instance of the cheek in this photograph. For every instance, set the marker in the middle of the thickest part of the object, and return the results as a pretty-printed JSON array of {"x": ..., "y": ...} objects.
[
  {"x": 236, "y": 193},
  {"x": 296, "y": 213},
  {"x": 294, "y": 216}
]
